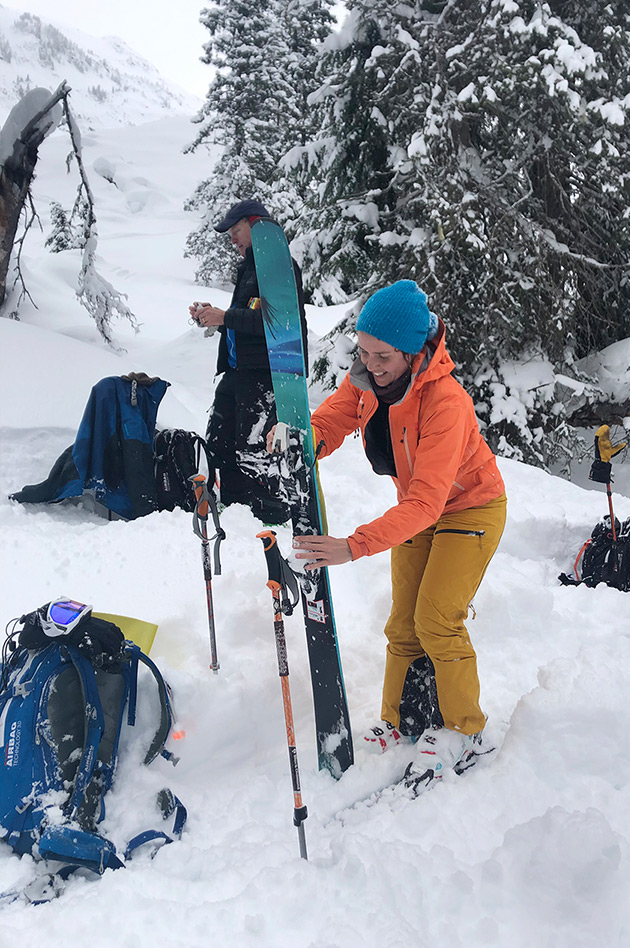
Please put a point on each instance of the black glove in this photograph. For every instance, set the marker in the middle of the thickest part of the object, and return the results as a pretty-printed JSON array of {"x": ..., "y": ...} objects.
[
  {"x": 601, "y": 471},
  {"x": 604, "y": 450}
]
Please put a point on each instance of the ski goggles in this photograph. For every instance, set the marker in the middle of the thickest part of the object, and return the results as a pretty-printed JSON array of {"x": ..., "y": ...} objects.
[{"x": 63, "y": 615}]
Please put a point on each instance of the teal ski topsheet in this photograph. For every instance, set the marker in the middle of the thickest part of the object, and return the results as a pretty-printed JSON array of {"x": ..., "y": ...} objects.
[{"x": 283, "y": 333}]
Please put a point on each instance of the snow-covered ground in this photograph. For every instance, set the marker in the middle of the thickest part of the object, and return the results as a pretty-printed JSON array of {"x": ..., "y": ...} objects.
[{"x": 530, "y": 849}]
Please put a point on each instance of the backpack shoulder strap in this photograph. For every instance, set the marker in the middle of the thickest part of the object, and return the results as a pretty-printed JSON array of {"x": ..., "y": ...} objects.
[
  {"x": 585, "y": 546},
  {"x": 170, "y": 805},
  {"x": 94, "y": 726},
  {"x": 135, "y": 653},
  {"x": 200, "y": 448}
]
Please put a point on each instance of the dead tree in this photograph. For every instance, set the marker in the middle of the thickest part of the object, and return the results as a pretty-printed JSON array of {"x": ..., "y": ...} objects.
[
  {"x": 29, "y": 122},
  {"x": 34, "y": 117}
]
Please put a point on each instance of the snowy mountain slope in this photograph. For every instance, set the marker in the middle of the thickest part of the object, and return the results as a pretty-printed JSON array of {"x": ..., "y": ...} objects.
[
  {"x": 140, "y": 179},
  {"x": 111, "y": 84},
  {"x": 531, "y": 848}
]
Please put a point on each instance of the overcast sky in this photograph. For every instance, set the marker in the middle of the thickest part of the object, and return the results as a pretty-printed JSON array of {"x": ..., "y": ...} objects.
[{"x": 166, "y": 32}]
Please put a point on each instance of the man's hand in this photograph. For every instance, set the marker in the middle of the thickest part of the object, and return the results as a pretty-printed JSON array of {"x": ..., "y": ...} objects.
[
  {"x": 207, "y": 315},
  {"x": 322, "y": 551},
  {"x": 194, "y": 309}
]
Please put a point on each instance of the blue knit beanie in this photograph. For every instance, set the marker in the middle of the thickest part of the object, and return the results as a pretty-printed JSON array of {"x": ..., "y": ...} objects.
[{"x": 398, "y": 314}]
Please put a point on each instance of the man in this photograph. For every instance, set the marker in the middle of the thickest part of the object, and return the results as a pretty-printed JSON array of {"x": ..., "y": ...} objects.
[{"x": 244, "y": 409}]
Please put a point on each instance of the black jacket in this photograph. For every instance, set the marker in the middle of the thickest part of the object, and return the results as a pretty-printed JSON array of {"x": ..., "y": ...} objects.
[{"x": 251, "y": 348}]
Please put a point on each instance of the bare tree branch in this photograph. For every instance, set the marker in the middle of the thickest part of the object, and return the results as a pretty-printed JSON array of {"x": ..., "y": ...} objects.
[{"x": 20, "y": 244}]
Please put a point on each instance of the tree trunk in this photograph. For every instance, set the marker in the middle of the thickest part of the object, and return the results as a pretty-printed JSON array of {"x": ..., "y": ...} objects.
[
  {"x": 16, "y": 175},
  {"x": 15, "y": 179}
]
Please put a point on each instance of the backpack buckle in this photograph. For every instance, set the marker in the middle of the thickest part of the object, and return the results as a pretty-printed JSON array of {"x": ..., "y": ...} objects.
[{"x": 22, "y": 689}]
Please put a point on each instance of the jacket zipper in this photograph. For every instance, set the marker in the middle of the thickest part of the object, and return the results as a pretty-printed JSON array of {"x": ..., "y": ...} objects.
[{"x": 406, "y": 445}]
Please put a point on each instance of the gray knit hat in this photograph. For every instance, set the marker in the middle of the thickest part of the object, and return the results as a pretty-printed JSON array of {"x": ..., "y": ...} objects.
[{"x": 399, "y": 315}]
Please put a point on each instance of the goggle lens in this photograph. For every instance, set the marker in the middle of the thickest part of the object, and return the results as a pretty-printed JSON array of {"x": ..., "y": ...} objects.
[{"x": 63, "y": 613}]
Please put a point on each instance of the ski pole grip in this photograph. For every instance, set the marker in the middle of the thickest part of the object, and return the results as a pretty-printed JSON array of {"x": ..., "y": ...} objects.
[
  {"x": 601, "y": 472},
  {"x": 272, "y": 555},
  {"x": 201, "y": 495}
]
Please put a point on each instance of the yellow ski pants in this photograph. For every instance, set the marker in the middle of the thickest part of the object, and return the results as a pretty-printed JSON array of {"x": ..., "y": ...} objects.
[{"x": 434, "y": 578}]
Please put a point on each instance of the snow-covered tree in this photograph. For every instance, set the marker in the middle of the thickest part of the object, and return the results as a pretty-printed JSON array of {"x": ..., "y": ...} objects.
[
  {"x": 68, "y": 230},
  {"x": 304, "y": 26},
  {"x": 507, "y": 192},
  {"x": 517, "y": 185},
  {"x": 368, "y": 78},
  {"x": 30, "y": 120},
  {"x": 103, "y": 301},
  {"x": 34, "y": 117},
  {"x": 253, "y": 110}
]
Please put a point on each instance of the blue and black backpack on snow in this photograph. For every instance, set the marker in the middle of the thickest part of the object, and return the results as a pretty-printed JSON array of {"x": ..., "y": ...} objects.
[
  {"x": 63, "y": 703},
  {"x": 177, "y": 457}
]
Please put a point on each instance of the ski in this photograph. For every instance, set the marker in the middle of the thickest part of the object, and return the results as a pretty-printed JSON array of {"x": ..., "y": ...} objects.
[
  {"x": 406, "y": 789},
  {"x": 283, "y": 334}
]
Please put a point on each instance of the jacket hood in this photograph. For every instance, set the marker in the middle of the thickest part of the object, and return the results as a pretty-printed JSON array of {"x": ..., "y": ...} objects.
[{"x": 430, "y": 364}]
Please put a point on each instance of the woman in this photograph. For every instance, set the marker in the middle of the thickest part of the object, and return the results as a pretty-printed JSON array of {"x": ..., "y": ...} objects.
[{"x": 419, "y": 426}]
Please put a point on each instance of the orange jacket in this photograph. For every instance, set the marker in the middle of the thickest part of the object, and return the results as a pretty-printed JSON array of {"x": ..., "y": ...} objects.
[{"x": 442, "y": 462}]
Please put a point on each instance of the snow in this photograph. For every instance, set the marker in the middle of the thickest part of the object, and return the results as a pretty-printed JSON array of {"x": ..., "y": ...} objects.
[
  {"x": 366, "y": 212},
  {"x": 24, "y": 112},
  {"x": 613, "y": 111},
  {"x": 417, "y": 145},
  {"x": 468, "y": 94},
  {"x": 611, "y": 366},
  {"x": 529, "y": 848},
  {"x": 111, "y": 84},
  {"x": 403, "y": 36}
]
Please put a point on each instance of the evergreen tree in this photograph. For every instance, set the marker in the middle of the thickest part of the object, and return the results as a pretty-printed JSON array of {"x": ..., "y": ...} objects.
[
  {"x": 61, "y": 236},
  {"x": 253, "y": 110},
  {"x": 367, "y": 77},
  {"x": 518, "y": 183},
  {"x": 69, "y": 232},
  {"x": 506, "y": 191},
  {"x": 304, "y": 25}
]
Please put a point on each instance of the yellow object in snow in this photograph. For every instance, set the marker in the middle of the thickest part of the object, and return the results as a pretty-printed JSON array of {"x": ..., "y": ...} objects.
[
  {"x": 139, "y": 631},
  {"x": 603, "y": 445}
]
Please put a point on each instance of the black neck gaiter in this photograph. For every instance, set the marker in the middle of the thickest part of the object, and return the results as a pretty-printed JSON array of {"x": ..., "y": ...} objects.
[{"x": 392, "y": 393}]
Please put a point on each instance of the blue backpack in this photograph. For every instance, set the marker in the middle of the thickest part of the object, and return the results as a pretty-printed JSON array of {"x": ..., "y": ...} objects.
[{"x": 63, "y": 703}]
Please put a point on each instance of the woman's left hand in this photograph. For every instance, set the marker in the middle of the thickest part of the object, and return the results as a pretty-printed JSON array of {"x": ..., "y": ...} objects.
[{"x": 322, "y": 551}]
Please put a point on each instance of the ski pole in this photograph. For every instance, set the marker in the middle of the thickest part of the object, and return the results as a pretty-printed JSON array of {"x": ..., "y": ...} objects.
[
  {"x": 283, "y": 586},
  {"x": 205, "y": 502},
  {"x": 601, "y": 468},
  {"x": 612, "y": 516}
]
